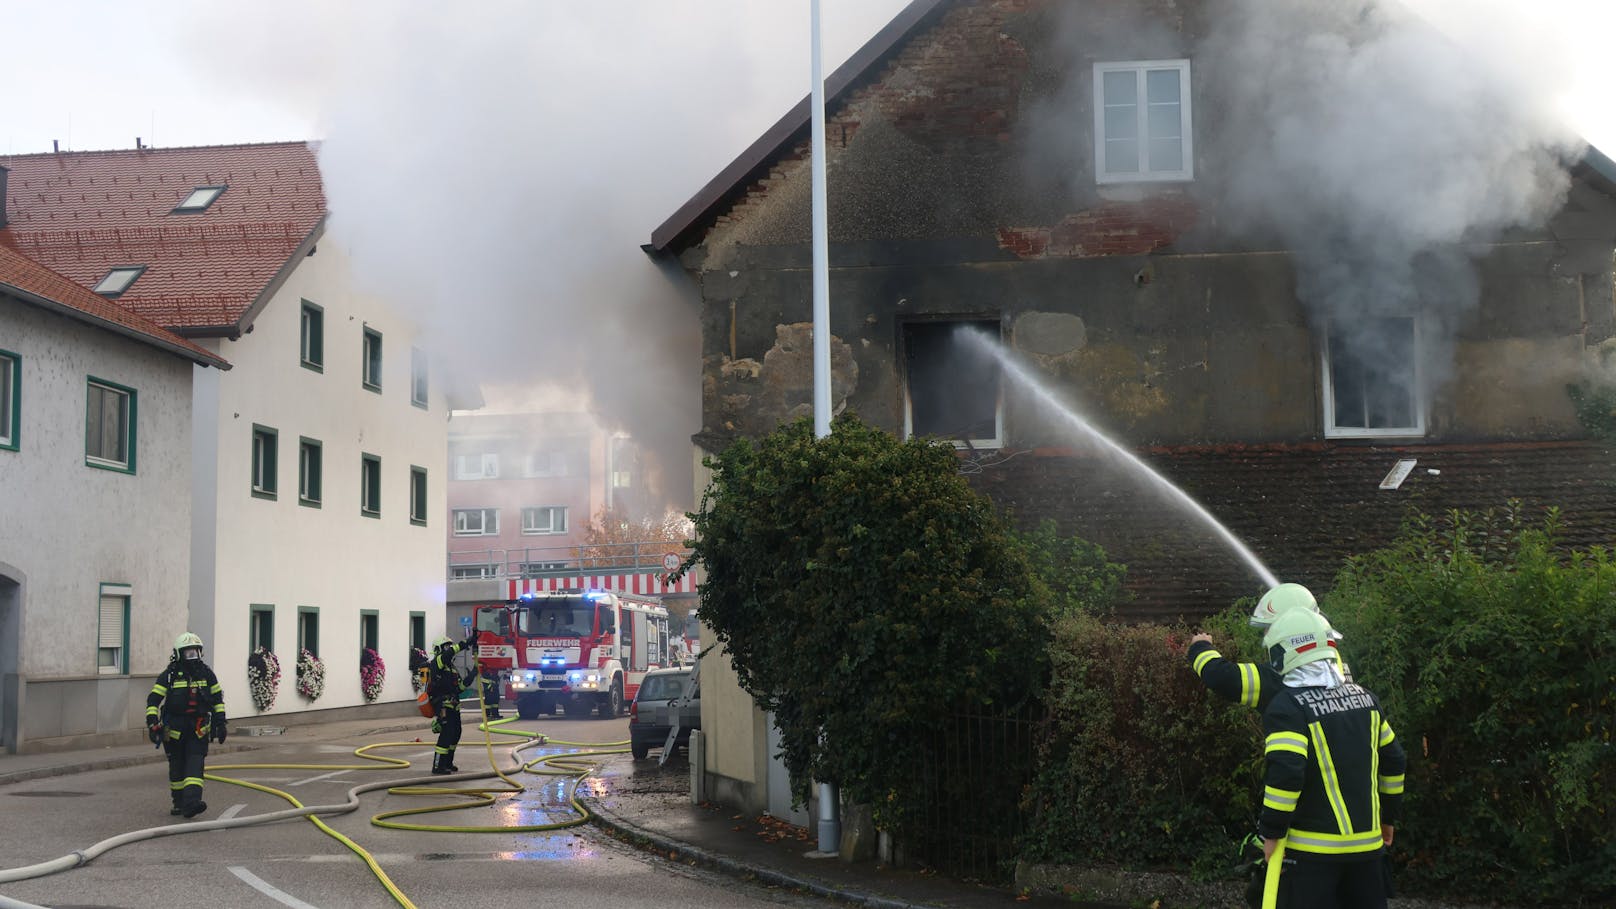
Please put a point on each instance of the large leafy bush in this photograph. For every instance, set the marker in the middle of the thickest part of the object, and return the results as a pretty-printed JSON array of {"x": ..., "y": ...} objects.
[{"x": 864, "y": 592}]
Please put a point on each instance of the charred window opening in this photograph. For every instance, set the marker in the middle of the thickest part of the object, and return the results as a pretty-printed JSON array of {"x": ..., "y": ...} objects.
[
  {"x": 951, "y": 383},
  {"x": 1372, "y": 379}
]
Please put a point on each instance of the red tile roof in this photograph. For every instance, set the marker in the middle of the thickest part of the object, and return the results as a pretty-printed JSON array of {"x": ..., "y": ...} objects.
[
  {"x": 83, "y": 213},
  {"x": 41, "y": 286}
]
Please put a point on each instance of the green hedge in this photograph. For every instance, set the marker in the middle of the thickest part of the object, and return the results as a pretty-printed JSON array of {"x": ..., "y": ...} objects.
[{"x": 1494, "y": 654}]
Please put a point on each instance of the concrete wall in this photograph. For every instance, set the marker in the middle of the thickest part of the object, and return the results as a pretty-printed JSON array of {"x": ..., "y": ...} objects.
[
  {"x": 70, "y": 527},
  {"x": 288, "y": 555}
]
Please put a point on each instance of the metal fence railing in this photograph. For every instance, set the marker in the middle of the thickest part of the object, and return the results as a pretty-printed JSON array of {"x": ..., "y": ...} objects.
[
  {"x": 562, "y": 561},
  {"x": 976, "y": 772}
]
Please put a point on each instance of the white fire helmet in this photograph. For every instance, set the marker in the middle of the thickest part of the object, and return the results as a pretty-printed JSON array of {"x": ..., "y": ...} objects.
[
  {"x": 1280, "y": 600},
  {"x": 188, "y": 647},
  {"x": 1297, "y": 638}
]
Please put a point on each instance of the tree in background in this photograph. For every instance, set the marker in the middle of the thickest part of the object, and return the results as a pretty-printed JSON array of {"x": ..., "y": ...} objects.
[
  {"x": 864, "y": 592},
  {"x": 615, "y": 540}
]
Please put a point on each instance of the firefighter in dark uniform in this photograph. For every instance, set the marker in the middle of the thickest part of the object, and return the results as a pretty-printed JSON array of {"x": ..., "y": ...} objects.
[
  {"x": 185, "y": 708},
  {"x": 443, "y": 690},
  {"x": 1333, "y": 785},
  {"x": 1251, "y": 684}
]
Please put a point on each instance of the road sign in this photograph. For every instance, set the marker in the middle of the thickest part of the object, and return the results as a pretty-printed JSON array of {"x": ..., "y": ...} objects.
[
  {"x": 465, "y": 621},
  {"x": 670, "y": 561}
]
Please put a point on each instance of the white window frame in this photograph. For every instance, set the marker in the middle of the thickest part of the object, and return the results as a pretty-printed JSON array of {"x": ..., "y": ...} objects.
[
  {"x": 997, "y": 441},
  {"x": 481, "y": 526},
  {"x": 554, "y": 463},
  {"x": 113, "y": 636},
  {"x": 1416, "y": 393},
  {"x": 479, "y": 466},
  {"x": 1186, "y": 121},
  {"x": 530, "y": 524},
  {"x": 472, "y": 572},
  {"x": 118, "y": 280}
]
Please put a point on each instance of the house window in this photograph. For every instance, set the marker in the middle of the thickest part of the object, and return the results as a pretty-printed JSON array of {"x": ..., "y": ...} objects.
[
  {"x": 370, "y": 485},
  {"x": 308, "y": 629},
  {"x": 1142, "y": 121},
  {"x": 198, "y": 200},
  {"x": 476, "y": 522},
  {"x": 951, "y": 383},
  {"x": 418, "y": 386},
  {"x": 264, "y": 444},
  {"x": 544, "y": 519},
  {"x": 10, "y": 399},
  {"x": 261, "y": 627},
  {"x": 118, "y": 280},
  {"x": 371, "y": 360},
  {"x": 109, "y": 426},
  {"x": 545, "y": 464},
  {"x": 311, "y": 346},
  {"x": 541, "y": 569},
  {"x": 1372, "y": 379},
  {"x": 472, "y": 572},
  {"x": 418, "y": 495},
  {"x": 622, "y": 462},
  {"x": 482, "y": 466},
  {"x": 418, "y": 630},
  {"x": 112, "y": 635},
  {"x": 309, "y": 453},
  {"x": 369, "y": 625}
]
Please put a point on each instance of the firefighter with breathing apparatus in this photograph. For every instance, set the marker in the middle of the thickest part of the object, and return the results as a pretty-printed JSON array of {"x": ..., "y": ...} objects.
[
  {"x": 1253, "y": 684},
  {"x": 443, "y": 690},
  {"x": 1333, "y": 780},
  {"x": 185, "y": 708}
]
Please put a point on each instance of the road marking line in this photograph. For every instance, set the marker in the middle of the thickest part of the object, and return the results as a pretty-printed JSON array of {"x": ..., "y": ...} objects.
[
  {"x": 323, "y": 776},
  {"x": 232, "y": 811},
  {"x": 262, "y": 886}
]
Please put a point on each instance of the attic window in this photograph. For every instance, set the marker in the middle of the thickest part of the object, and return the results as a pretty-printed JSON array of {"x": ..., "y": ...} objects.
[
  {"x": 199, "y": 200},
  {"x": 118, "y": 280},
  {"x": 1372, "y": 379},
  {"x": 1142, "y": 121}
]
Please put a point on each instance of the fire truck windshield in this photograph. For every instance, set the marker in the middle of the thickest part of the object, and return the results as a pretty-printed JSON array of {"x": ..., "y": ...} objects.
[{"x": 570, "y": 618}]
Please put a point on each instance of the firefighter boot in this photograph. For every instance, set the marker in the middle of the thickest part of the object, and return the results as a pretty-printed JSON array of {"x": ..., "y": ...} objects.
[
  {"x": 196, "y": 808},
  {"x": 175, "y": 811},
  {"x": 448, "y": 762},
  {"x": 440, "y": 765}
]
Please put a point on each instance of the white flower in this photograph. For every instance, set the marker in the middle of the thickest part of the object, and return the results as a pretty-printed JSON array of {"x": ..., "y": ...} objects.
[
  {"x": 263, "y": 677},
  {"x": 310, "y": 675}
]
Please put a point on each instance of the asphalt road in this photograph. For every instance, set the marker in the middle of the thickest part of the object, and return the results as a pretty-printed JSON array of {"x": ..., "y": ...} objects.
[{"x": 292, "y": 863}]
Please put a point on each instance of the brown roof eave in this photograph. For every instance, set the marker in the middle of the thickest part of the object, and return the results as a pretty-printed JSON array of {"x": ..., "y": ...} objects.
[
  {"x": 250, "y": 314},
  {"x": 202, "y": 359},
  {"x": 682, "y": 229}
]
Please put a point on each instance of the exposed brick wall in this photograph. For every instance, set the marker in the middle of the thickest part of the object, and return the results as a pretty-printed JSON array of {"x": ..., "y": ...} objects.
[{"x": 1109, "y": 229}]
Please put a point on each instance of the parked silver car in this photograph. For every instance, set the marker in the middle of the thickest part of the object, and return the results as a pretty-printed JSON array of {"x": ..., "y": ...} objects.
[{"x": 664, "y": 694}]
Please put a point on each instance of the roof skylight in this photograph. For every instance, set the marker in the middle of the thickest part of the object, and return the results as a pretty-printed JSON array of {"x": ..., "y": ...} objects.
[
  {"x": 118, "y": 280},
  {"x": 199, "y": 200}
]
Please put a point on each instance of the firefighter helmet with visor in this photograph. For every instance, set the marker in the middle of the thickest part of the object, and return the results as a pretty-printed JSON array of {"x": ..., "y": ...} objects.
[
  {"x": 1280, "y": 600},
  {"x": 1297, "y": 638},
  {"x": 188, "y": 647}
]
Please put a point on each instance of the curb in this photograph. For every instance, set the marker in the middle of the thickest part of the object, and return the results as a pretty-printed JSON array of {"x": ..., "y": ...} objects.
[
  {"x": 154, "y": 756},
  {"x": 675, "y": 849}
]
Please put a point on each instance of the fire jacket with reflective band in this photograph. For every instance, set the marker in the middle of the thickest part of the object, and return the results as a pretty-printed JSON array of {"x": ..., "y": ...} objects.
[
  {"x": 1334, "y": 771},
  {"x": 186, "y": 693},
  {"x": 443, "y": 685},
  {"x": 1251, "y": 684}
]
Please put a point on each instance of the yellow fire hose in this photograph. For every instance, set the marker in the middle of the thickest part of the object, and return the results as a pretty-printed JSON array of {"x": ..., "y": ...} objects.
[
  {"x": 575, "y": 765},
  {"x": 1270, "y": 890}
]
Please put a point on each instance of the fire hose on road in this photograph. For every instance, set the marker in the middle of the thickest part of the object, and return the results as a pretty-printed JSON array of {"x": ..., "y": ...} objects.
[{"x": 573, "y": 764}]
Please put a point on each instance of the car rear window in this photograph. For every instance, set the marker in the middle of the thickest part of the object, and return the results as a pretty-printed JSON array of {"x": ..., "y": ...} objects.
[{"x": 661, "y": 687}]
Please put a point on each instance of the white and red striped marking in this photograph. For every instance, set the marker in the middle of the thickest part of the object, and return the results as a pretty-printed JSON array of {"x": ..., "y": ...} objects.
[{"x": 640, "y": 584}]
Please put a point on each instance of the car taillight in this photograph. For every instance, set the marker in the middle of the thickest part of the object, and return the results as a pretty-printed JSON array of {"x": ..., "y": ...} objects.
[{"x": 633, "y": 712}]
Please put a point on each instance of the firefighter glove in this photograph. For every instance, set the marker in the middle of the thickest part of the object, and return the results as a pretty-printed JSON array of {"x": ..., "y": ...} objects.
[
  {"x": 219, "y": 730},
  {"x": 470, "y": 642},
  {"x": 437, "y": 725},
  {"x": 155, "y": 733}
]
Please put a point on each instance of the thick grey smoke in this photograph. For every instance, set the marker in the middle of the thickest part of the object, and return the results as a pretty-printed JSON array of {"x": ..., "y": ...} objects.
[
  {"x": 1381, "y": 152},
  {"x": 494, "y": 167}
]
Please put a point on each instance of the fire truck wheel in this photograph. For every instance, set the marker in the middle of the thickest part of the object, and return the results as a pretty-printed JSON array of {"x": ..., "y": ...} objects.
[
  {"x": 641, "y": 750},
  {"x": 612, "y": 705},
  {"x": 527, "y": 708}
]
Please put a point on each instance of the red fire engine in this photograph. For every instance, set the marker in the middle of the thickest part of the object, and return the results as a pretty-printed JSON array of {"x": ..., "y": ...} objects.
[{"x": 580, "y": 650}]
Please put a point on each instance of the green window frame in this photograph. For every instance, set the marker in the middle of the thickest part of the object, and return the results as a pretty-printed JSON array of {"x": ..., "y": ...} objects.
[
  {"x": 308, "y": 629},
  {"x": 370, "y": 360},
  {"x": 112, "y": 629},
  {"x": 417, "y": 495},
  {"x": 261, "y": 627},
  {"x": 265, "y": 455},
  {"x": 418, "y": 630},
  {"x": 310, "y": 469},
  {"x": 110, "y": 412},
  {"x": 370, "y": 485},
  {"x": 10, "y": 400},
  {"x": 370, "y": 623},
  {"x": 311, "y": 337}
]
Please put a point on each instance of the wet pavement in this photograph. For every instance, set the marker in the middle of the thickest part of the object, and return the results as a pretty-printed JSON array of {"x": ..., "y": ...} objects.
[{"x": 639, "y": 803}]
